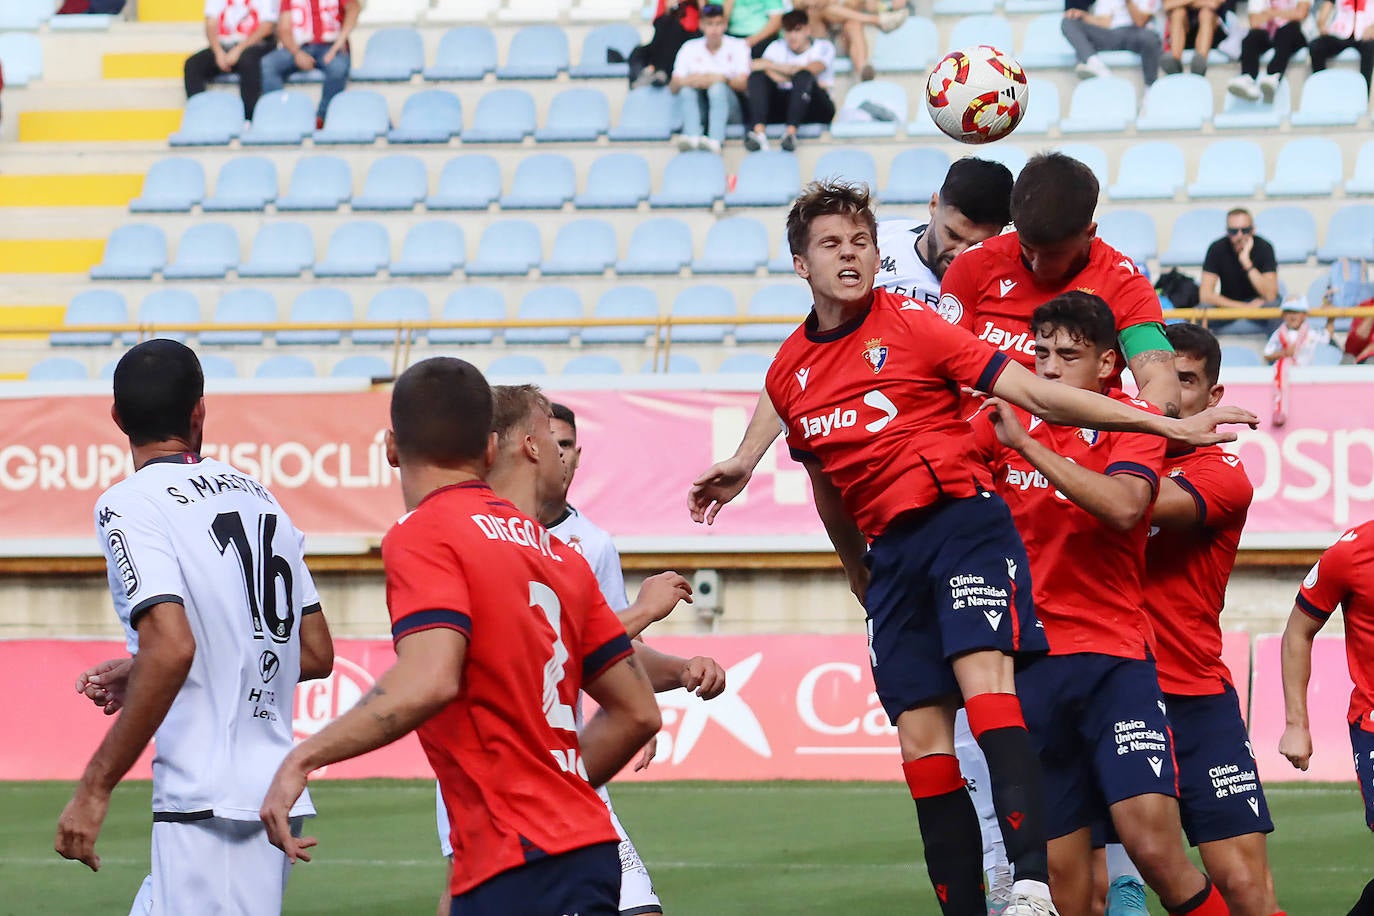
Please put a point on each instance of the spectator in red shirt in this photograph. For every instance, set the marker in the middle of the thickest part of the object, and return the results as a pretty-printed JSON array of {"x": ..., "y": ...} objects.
[
  {"x": 675, "y": 23},
  {"x": 313, "y": 33},
  {"x": 239, "y": 33}
]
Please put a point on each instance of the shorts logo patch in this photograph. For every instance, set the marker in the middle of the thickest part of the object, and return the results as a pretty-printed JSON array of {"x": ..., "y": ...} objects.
[
  {"x": 1156, "y": 764},
  {"x": 1254, "y": 805},
  {"x": 123, "y": 562},
  {"x": 1162, "y": 710},
  {"x": 1015, "y": 819},
  {"x": 994, "y": 618}
]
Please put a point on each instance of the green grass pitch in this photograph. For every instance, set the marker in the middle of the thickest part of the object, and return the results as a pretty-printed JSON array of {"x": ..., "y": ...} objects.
[{"x": 713, "y": 849}]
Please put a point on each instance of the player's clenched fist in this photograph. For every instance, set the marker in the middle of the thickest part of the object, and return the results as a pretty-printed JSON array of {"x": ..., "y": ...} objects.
[
  {"x": 1296, "y": 745},
  {"x": 704, "y": 677},
  {"x": 79, "y": 826},
  {"x": 661, "y": 593}
]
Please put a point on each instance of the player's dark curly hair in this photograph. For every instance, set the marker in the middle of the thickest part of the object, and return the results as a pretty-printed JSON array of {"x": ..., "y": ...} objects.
[
  {"x": 980, "y": 189},
  {"x": 157, "y": 385},
  {"x": 1086, "y": 317},
  {"x": 827, "y": 198},
  {"x": 1053, "y": 199},
  {"x": 1196, "y": 341},
  {"x": 441, "y": 412}
]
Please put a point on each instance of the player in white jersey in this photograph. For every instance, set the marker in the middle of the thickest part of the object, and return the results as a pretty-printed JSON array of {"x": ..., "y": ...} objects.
[{"x": 221, "y": 617}]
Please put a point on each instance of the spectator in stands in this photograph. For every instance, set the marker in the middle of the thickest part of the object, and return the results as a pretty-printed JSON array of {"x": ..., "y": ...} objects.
[
  {"x": 313, "y": 33},
  {"x": 1274, "y": 24},
  {"x": 239, "y": 33},
  {"x": 1193, "y": 24},
  {"x": 708, "y": 76},
  {"x": 675, "y": 23},
  {"x": 1296, "y": 338},
  {"x": 1344, "y": 24},
  {"x": 843, "y": 22},
  {"x": 1113, "y": 25},
  {"x": 791, "y": 83},
  {"x": 756, "y": 21},
  {"x": 1240, "y": 270}
]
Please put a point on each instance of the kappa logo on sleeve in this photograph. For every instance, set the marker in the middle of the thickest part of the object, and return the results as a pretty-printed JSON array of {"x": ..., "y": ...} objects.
[{"x": 123, "y": 562}]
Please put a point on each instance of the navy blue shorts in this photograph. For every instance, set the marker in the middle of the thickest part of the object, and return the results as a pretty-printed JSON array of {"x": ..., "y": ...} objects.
[
  {"x": 1219, "y": 792},
  {"x": 1098, "y": 724},
  {"x": 585, "y": 881},
  {"x": 953, "y": 579},
  {"x": 1362, "y": 743}
]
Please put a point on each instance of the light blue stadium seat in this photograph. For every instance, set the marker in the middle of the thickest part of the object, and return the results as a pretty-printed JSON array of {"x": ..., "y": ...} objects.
[
  {"x": 671, "y": 364},
  {"x": 516, "y": 366},
  {"x": 648, "y": 113},
  {"x": 694, "y": 179},
  {"x": 981, "y": 30},
  {"x": 469, "y": 182},
  {"x": 502, "y": 116},
  {"x": 1229, "y": 168},
  {"x": 770, "y": 178},
  {"x": 1239, "y": 355},
  {"x": 706, "y": 301},
  {"x": 1100, "y": 105},
  {"x": 285, "y": 366},
  {"x": 282, "y": 118},
  {"x": 593, "y": 364},
  {"x": 395, "y": 303},
  {"x": 1043, "y": 45},
  {"x": 509, "y": 247},
  {"x": 318, "y": 304},
  {"x": 576, "y": 116},
  {"x": 615, "y": 181},
  {"x": 470, "y": 303},
  {"x": 853, "y": 121},
  {"x": 207, "y": 251},
  {"x": 547, "y": 303},
  {"x": 1331, "y": 98},
  {"x": 1291, "y": 230},
  {"x": 1327, "y": 355},
  {"x": 1306, "y": 167},
  {"x": 627, "y": 302},
  {"x": 433, "y": 248},
  {"x": 280, "y": 249},
  {"x": 397, "y": 182},
  {"x": 916, "y": 173},
  {"x": 1349, "y": 233},
  {"x": 1179, "y": 101},
  {"x": 1243, "y": 114},
  {"x": 22, "y": 57},
  {"x": 355, "y": 116},
  {"x": 963, "y": 7},
  {"x": 1193, "y": 231},
  {"x": 356, "y": 249},
  {"x": 245, "y": 183},
  {"x": 850, "y": 164},
  {"x": 1091, "y": 155},
  {"x": 211, "y": 119},
  {"x": 657, "y": 246},
  {"x": 317, "y": 183},
  {"x": 735, "y": 245},
  {"x": 392, "y": 55},
  {"x": 57, "y": 369},
  {"x": 430, "y": 116},
  {"x": 466, "y": 53},
  {"x": 911, "y": 47},
  {"x": 362, "y": 367},
  {"x": 1042, "y": 110},
  {"x": 593, "y": 64},
  {"x": 172, "y": 185},
  {"x": 1362, "y": 181},
  {"x": 781, "y": 263},
  {"x": 1149, "y": 171},
  {"x": 133, "y": 252},
  {"x": 791, "y": 301},
  {"x": 169, "y": 306},
  {"x": 536, "y": 52},
  {"x": 217, "y": 367},
  {"x": 1132, "y": 232},
  {"x": 25, "y": 15},
  {"x": 544, "y": 181},
  {"x": 1013, "y": 157},
  {"x": 744, "y": 364},
  {"x": 241, "y": 306},
  {"x": 94, "y": 306},
  {"x": 735, "y": 131},
  {"x": 582, "y": 246}
]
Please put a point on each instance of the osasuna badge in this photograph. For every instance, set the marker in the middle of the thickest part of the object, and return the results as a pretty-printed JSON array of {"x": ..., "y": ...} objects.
[
  {"x": 1088, "y": 435},
  {"x": 875, "y": 354}
]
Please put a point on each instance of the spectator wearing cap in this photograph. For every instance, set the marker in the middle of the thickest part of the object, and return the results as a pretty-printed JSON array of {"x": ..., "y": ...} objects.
[
  {"x": 313, "y": 34},
  {"x": 708, "y": 75},
  {"x": 238, "y": 33},
  {"x": 1274, "y": 24},
  {"x": 1240, "y": 270},
  {"x": 1296, "y": 338},
  {"x": 756, "y": 21},
  {"x": 1344, "y": 24},
  {"x": 791, "y": 83}
]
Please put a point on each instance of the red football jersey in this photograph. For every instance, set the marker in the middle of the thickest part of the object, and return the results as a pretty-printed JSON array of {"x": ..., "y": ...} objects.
[
  {"x": 1086, "y": 577},
  {"x": 1345, "y": 575},
  {"x": 876, "y": 402},
  {"x": 989, "y": 291},
  {"x": 506, "y": 749},
  {"x": 1186, "y": 572}
]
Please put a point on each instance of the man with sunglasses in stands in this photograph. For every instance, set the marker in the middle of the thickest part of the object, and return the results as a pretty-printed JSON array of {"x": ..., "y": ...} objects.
[{"x": 1240, "y": 270}]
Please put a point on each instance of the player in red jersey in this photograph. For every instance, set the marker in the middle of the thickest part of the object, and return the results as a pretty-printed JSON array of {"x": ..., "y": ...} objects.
[
  {"x": 484, "y": 599},
  {"x": 868, "y": 389},
  {"x": 1343, "y": 576},
  {"x": 992, "y": 289},
  {"x": 1081, "y": 501},
  {"x": 1203, "y": 499}
]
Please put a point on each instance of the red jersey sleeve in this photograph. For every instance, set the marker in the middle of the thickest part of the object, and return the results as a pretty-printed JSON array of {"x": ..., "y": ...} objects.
[
  {"x": 1328, "y": 582},
  {"x": 955, "y": 353},
  {"x": 985, "y": 436},
  {"x": 959, "y": 290},
  {"x": 1137, "y": 454},
  {"x": 425, "y": 585},
  {"x": 1135, "y": 303},
  {"x": 1221, "y": 490},
  {"x": 604, "y": 641},
  {"x": 773, "y": 385}
]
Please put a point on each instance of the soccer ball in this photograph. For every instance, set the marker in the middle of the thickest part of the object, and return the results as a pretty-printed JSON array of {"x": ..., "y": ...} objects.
[{"x": 977, "y": 95}]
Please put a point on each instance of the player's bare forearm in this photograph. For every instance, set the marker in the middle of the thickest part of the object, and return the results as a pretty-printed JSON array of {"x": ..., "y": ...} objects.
[
  {"x": 317, "y": 647},
  {"x": 1119, "y": 502},
  {"x": 849, "y": 542},
  {"x": 1296, "y": 665},
  {"x": 658, "y": 596},
  {"x": 627, "y": 719},
  {"x": 1157, "y": 380},
  {"x": 664, "y": 671},
  {"x": 1175, "y": 509},
  {"x": 763, "y": 429}
]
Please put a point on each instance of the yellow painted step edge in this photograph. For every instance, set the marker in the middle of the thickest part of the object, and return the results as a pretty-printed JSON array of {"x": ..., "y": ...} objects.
[
  {"x": 36, "y": 315},
  {"x": 84, "y": 190},
  {"x": 171, "y": 10},
  {"x": 98, "y": 126},
  {"x": 143, "y": 66},
  {"x": 50, "y": 256}
]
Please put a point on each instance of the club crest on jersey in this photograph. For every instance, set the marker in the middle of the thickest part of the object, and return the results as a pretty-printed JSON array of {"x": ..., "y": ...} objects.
[
  {"x": 875, "y": 354},
  {"x": 1088, "y": 435}
]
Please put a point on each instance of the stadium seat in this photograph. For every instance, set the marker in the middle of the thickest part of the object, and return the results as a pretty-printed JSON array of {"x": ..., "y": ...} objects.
[
  {"x": 57, "y": 369},
  {"x": 1193, "y": 231},
  {"x": 171, "y": 186},
  {"x": 593, "y": 64},
  {"x": 1327, "y": 355},
  {"x": 1239, "y": 356},
  {"x": 1042, "y": 110},
  {"x": 385, "y": 11},
  {"x": 916, "y": 173},
  {"x": 604, "y": 10},
  {"x": 781, "y": 263},
  {"x": 1043, "y": 45},
  {"x": 465, "y": 53},
  {"x": 462, "y": 10},
  {"x": 1306, "y": 167},
  {"x": 866, "y": 109},
  {"x": 850, "y": 164},
  {"x": 133, "y": 252},
  {"x": 509, "y": 248},
  {"x": 1102, "y": 105},
  {"x": 1244, "y": 114},
  {"x": 434, "y": 248},
  {"x": 744, "y": 363},
  {"x": 1331, "y": 98},
  {"x": 285, "y": 366},
  {"x": 22, "y": 56},
  {"x": 911, "y": 47},
  {"x": 1349, "y": 233},
  {"x": 470, "y": 182},
  {"x": 625, "y": 302},
  {"x": 395, "y": 182},
  {"x": 210, "y": 119},
  {"x": 1229, "y": 168},
  {"x": 362, "y": 367},
  {"x": 706, "y": 301},
  {"x": 532, "y": 10},
  {"x": 217, "y": 367},
  {"x": 671, "y": 364},
  {"x": 735, "y": 245},
  {"x": 1091, "y": 155},
  {"x": 169, "y": 306},
  {"x": 470, "y": 303},
  {"x": 1013, "y": 157},
  {"x": 1291, "y": 230},
  {"x": 647, "y": 114},
  {"x": 318, "y": 183},
  {"x": 356, "y": 116},
  {"x": 320, "y": 304},
  {"x": 544, "y": 181},
  {"x": 245, "y": 183},
  {"x": 282, "y": 118},
  {"x": 615, "y": 181},
  {"x": 94, "y": 306},
  {"x": 765, "y": 179},
  {"x": 1132, "y": 232},
  {"x": 396, "y": 303},
  {"x": 593, "y": 364},
  {"x": 972, "y": 31},
  {"x": 241, "y": 306},
  {"x": 356, "y": 249},
  {"x": 502, "y": 116},
  {"x": 516, "y": 367},
  {"x": 280, "y": 249},
  {"x": 657, "y": 246},
  {"x": 1149, "y": 171},
  {"x": 207, "y": 251},
  {"x": 431, "y": 116},
  {"x": 790, "y": 301},
  {"x": 547, "y": 303},
  {"x": 1362, "y": 181},
  {"x": 963, "y": 7},
  {"x": 1179, "y": 101},
  {"x": 537, "y": 52},
  {"x": 575, "y": 116},
  {"x": 695, "y": 179},
  {"x": 391, "y": 56},
  {"x": 582, "y": 246}
]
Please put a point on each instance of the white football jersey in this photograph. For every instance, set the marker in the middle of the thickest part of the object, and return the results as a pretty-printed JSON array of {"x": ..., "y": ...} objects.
[
  {"x": 203, "y": 535},
  {"x": 598, "y": 549},
  {"x": 901, "y": 268}
]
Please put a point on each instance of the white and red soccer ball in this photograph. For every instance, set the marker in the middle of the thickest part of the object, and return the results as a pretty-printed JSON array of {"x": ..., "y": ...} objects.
[{"x": 977, "y": 95}]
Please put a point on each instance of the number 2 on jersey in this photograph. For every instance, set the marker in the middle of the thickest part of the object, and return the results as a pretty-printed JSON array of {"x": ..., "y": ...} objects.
[
  {"x": 261, "y": 570},
  {"x": 559, "y": 714}
]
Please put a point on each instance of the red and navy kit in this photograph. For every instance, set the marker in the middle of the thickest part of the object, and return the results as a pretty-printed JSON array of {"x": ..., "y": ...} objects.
[{"x": 506, "y": 750}]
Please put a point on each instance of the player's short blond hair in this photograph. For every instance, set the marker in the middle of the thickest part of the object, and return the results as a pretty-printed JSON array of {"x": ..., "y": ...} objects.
[
  {"x": 512, "y": 407},
  {"x": 828, "y": 198}
]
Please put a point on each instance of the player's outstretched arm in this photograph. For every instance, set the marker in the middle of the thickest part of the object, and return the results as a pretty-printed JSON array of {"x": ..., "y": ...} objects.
[
  {"x": 700, "y": 675},
  {"x": 657, "y": 597},
  {"x": 726, "y": 479},
  {"x": 167, "y": 647},
  {"x": 1157, "y": 379},
  {"x": 850, "y": 543},
  {"x": 317, "y": 647},
  {"x": 627, "y": 719},
  {"x": 106, "y": 683},
  {"x": 1296, "y": 664}
]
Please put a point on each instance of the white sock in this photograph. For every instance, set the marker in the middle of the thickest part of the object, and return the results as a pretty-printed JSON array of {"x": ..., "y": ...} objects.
[
  {"x": 1031, "y": 888},
  {"x": 1119, "y": 865}
]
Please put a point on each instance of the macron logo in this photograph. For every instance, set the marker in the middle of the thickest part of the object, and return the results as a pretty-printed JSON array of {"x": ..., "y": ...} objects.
[
  {"x": 1156, "y": 764},
  {"x": 1254, "y": 805},
  {"x": 802, "y": 376},
  {"x": 1006, "y": 286},
  {"x": 994, "y": 618}
]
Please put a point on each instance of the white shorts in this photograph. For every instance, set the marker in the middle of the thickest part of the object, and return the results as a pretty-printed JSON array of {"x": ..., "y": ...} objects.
[{"x": 214, "y": 866}]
